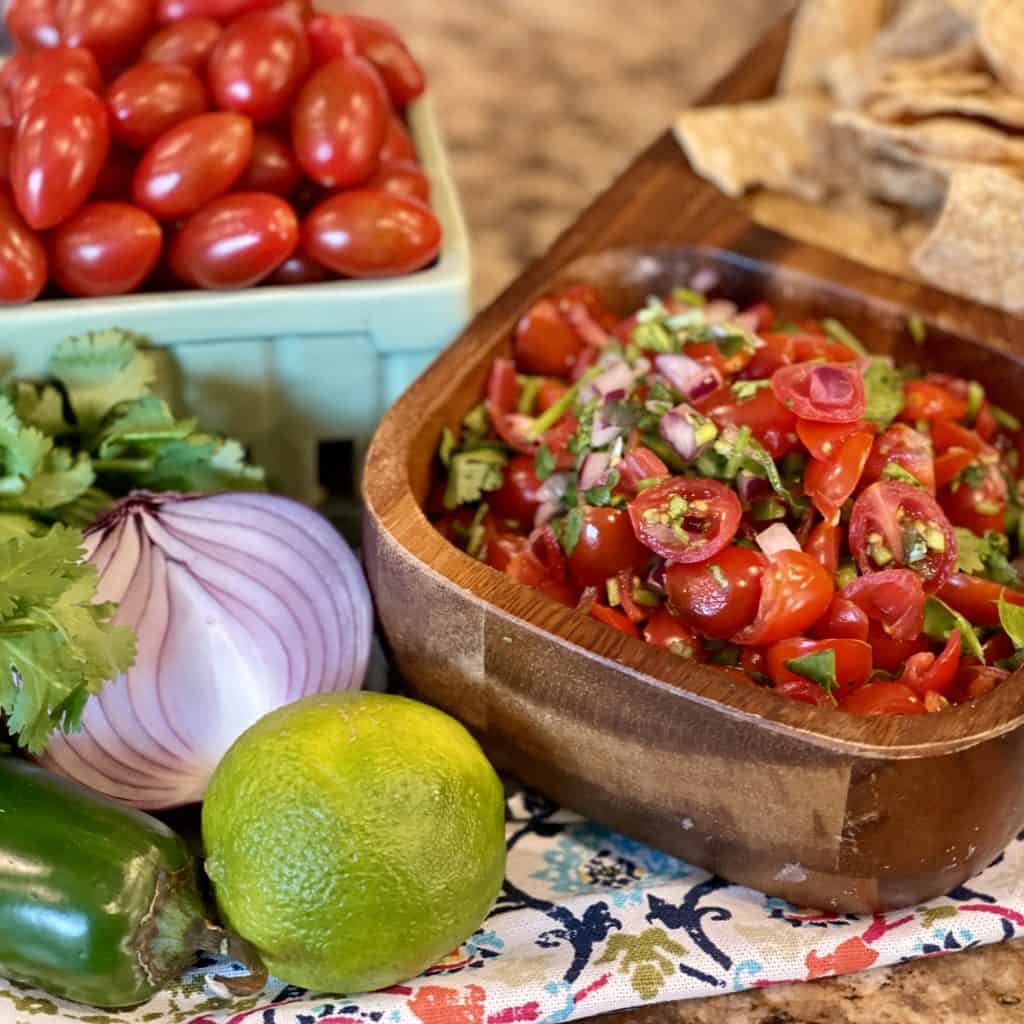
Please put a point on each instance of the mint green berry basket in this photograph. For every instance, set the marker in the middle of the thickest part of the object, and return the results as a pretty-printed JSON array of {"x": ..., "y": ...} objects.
[{"x": 300, "y": 374}]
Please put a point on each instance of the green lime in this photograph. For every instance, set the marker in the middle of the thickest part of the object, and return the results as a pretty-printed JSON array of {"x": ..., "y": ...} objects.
[{"x": 354, "y": 839}]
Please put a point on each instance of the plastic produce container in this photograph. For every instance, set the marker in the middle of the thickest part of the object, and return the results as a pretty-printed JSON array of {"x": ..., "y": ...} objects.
[{"x": 300, "y": 374}]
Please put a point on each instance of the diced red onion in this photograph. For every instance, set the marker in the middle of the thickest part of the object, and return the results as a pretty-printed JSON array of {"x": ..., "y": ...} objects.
[
  {"x": 603, "y": 431},
  {"x": 750, "y": 486},
  {"x": 704, "y": 280},
  {"x": 830, "y": 385},
  {"x": 546, "y": 511},
  {"x": 656, "y": 577},
  {"x": 594, "y": 468},
  {"x": 241, "y": 603},
  {"x": 777, "y": 537},
  {"x": 554, "y": 487},
  {"x": 676, "y": 428},
  {"x": 688, "y": 376},
  {"x": 749, "y": 320},
  {"x": 616, "y": 380}
]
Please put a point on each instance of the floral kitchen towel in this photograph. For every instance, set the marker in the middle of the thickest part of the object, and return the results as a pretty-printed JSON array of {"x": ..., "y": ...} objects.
[{"x": 590, "y": 921}]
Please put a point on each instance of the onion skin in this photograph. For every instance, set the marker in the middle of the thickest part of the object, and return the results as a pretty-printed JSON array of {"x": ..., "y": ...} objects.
[{"x": 242, "y": 603}]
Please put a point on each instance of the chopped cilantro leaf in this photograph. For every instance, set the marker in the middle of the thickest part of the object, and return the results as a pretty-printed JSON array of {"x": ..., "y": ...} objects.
[
  {"x": 986, "y": 556},
  {"x": 733, "y": 344},
  {"x": 446, "y": 447},
  {"x": 1011, "y": 618},
  {"x": 471, "y": 474},
  {"x": 940, "y": 620},
  {"x": 543, "y": 463},
  {"x": 975, "y": 396},
  {"x": 475, "y": 424},
  {"x": 819, "y": 667},
  {"x": 572, "y": 527},
  {"x": 689, "y": 297},
  {"x": 653, "y": 337},
  {"x": 727, "y": 656},
  {"x": 974, "y": 476},
  {"x": 883, "y": 392},
  {"x": 841, "y": 333},
  {"x": 744, "y": 389},
  {"x": 894, "y": 471}
]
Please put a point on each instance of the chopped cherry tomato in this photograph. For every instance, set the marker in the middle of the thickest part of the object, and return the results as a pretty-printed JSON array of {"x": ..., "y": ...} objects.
[
  {"x": 518, "y": 497},
  {"x": 829, "y": 482},
  {"x": 823, "y": 545},
  {"x": 663, "y": 629},
  {"x": 883, "y": 699},
  {"x": 545, "y": 344},
  {"x": 768, "y": 419},
  {"x": 986, "y": 424},
  {"x": 894, "y": 598},
  {"x": 925, "y": 400},
  {"x": 585, "y": 310},
  {"x": 946, "y": 434},
  {"x": 823, "y": 440},
  {"x": 551, "y": 392},
  {"x": 795, "y": 592},
  {"x": 686, "y": 519},
  {"x": 826, "y": 392},
  {"x": 606, "y": 545},
  {"x": 804, "y": 691},
  {"x": 60, "y": 147},
  {"x": 951, "y": 463},
  {"x": 366, "y": 233},
  {"x": 976, "y": 599},
  {"x": 896, "y": 525},
  {"x": 844, "y": 620},
  {"x": 974, "y": 681},
  {"x": 719, "y": 597},
  {"x": 639, "y": 464},
  {"x": 188, "y": 42},
  {"x": 924, "y": 673},
  {"x": 727, "y": 365},
  {"x": 979, "y": 504},
  {"x": 892, "y": 654},
  {"x": 149, "y": 99},
  {"x": 852, "y": 661},
  {"x": 901, "y": 445},
  {"x": 996, "y": 648},
  {"x": 610, "y": 617}
]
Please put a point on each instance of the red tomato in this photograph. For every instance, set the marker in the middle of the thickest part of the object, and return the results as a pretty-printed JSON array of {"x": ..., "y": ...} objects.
[
  {"x": 977, "y": 506},
  {"x": 544, "y": 343},
  {"x": 301, "y": 10},
  {"x": 258, "y": 65},
  {"x": 925, "y": 400},
  {"x": 986, "y": 424},
  {"x": 22, "y": 257},
  {"x": 882, "y": 699},
  {"x": 113, "y": 30},
  {"x": 105, "y": 249},
  {"x": 175, "y": 10},
  {"x": 823, "y": 440},
  {"x": 710, "y": 353},
  {"x": 804, "y": 691},
  {"x": 950, "y": 464},
  {"x": 664, "y": 630},
  {"x": 59, "y": 150},
  {"x": 823, "y": 545},
  {"x": 720, "y": 597},
  {"x": 977, "y": 599},
  {"x": 362, "y": 233},
  {"x": 194, "y": 162},
  {"x": 403, "y": 178},
  {"x": 517, "y": 498},
  {"x": 42, "y": 70},
  {"x": 893, "y": 598},
  {"x": 852, "y": 657},
  {"x": 686, "y": 519},
  {"x": 768, "y": 419},
  {"x": 906, "y": 447},
  {"x": 551, "y": 392},
  {"x": 272, "y": 166},
  {"x": 828, "y": 483},
  {"x": 826, "y": 392},
  {"x": 610, "y": 617},
  {"x": 6, "y": 143},
  {"x": 33, "y": 23},
  {"x": 891, "y": 654},
  {"x": 149, "y": 99},
  {"x": 235, "y": 241},
  {"x": 974, "y": 681},
  {"x": 115, "y": 180},
  {"x": 340, "y": 122},
  {"x": 844, "y": 620},
  {"x": 895, "y": 525},
  {"x": 946, "y": 434},
  {"x": 330, "y": 36},
  {"x": 606, "y": 546},
  {"x": 398, "y": 144},
  {"x": 639, "y": 464},
  {"x": 383, "y": 47},
  {"x": 188, "y": 42},
  {"x": 795, "y": 592},
  {"x": 924, "y": 673},
  {"x": 298, "y": 269}
]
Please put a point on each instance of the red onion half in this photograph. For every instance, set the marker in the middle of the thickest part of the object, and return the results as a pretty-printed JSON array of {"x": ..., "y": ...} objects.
[{"x": 241, "y": 603}]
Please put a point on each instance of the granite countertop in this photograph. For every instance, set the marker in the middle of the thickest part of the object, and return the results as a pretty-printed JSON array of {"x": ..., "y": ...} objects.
[{"x": 543, "y": 102}]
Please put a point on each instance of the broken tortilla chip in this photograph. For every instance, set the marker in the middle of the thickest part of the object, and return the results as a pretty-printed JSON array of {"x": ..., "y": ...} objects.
[
  {"x": 821, "y": 30},
  {"x": 1001, "y": 38},
  {"x": 968, "y": 8},
  {"x": 899, "y": 102},
  {"x": 921, "y": 28},
  {"x": 976, "y": 248},
  {"x": 779, "y": 143}
]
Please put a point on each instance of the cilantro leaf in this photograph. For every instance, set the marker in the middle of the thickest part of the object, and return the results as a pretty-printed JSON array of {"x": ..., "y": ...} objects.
[
  {"x": 841, "y": 333},
  {"x": 986, "y": 557},
  {"x": 819, "y": 667},
  {"x": 883, "y": 392},
  {"x": 1011, "y": 618},
  {"x": 472, "y": 473},
  {"x": 41, "y": 406},
  {"x": 199, "y": 463},
  {"x": 744, "y": 389},
  {"x": 940, "y": 620},
  {"x": 572, "y": 527},
  {"x": 894, "y": 471},
  {"x": 56, "y": 645},
  {"x": 544, "y": 463},
  {"x": 140, "y": 427},
  {"x": 752, "y": 456}
]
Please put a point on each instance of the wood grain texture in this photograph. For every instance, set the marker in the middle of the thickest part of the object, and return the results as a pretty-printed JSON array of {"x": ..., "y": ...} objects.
[{"x": 820, "y": 808}]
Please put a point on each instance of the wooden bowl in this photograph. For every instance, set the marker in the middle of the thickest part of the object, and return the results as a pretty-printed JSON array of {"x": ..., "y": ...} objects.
[{"x": 819, "y": 807}]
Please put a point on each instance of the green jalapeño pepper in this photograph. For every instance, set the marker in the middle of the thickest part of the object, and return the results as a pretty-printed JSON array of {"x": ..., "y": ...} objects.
[{"x": 98, "y": 903}]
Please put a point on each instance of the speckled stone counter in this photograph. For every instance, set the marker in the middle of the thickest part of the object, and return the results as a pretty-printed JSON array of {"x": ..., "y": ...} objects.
[{"x": 543, "y": 102}]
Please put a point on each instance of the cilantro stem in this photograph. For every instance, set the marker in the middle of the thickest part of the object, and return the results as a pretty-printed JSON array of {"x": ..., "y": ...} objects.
[
  {"x": 123, "y": 465},
  {"x": 841, "y": 333},
  {"x": 547, "y": 419}
]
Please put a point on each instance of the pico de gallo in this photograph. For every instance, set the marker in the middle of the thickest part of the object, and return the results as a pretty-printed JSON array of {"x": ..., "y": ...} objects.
[{"x": 752, "y": 493}]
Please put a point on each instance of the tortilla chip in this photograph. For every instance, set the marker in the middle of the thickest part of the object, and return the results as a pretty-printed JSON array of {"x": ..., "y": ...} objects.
[
  {"x": 821, "y": 30},
  {"x": 921, "y": 28},
  {"x": 976, "y": 248},
  {"x": 967, "y": 8},
  {"x": 779, "y": 143},
  {"x": 852, "y": 226},
  {"x": 898, "y": 102},
  {"x": 1001, "y": 37}
]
